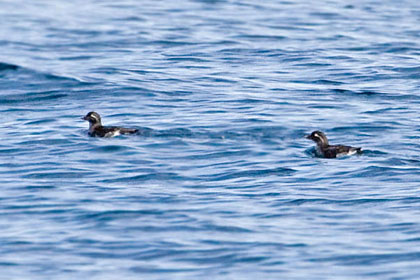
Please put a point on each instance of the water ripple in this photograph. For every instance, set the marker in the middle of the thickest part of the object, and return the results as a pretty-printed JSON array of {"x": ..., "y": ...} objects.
[{"x": 220, "y": 182}]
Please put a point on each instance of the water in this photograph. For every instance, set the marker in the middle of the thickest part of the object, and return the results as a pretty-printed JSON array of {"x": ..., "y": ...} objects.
[{"x": 222, "y": 184}]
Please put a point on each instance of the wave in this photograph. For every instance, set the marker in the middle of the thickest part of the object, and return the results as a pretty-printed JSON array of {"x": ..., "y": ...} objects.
[
  {"x": 25, "y": 85},
  {"x": 7, "y": 66},
  {"x": 4, "y": 66}
]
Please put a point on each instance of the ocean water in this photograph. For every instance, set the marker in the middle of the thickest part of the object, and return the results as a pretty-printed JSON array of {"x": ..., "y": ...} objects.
[{"x": 221, "y": 183}]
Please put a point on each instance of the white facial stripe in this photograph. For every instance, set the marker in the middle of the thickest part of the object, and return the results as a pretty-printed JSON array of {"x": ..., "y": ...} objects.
[{"x": 94, "y": 117}]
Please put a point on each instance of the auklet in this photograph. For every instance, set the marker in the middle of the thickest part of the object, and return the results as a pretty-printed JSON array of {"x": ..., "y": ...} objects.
[
  {"x": 96, "y": 128},
  {"x": 324, "y": 149}
]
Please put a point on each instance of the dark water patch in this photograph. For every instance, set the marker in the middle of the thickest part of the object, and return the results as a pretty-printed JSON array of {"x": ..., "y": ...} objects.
[
  {"x": 157, "y": 229},
  {"x": 40, "y": 122},
  {"x": 10, "y": 151},
  {"x": 39, "y": 187},
  {"x": 26, "y": 86},
  {"x": 79, "y": 57},
  {"x": 313, "y": 64},
  {"x": 229, "y": 229},
  {"x": 186, "y": 59},
  {"x": 254, "y": 244},
  {"x": 223, "y": 258},
  {"x": 357, "y": 93},
  {"x": 399, "y": 227},
  {"x": 403, "y": 162},
  {"x": 369, "y": 259},
  {"x": 108, "y": 70},
  {"x": 7, "y": 66},
  {"x": 159, "y": 270},
  {"x": 402, "y": 50},
  {"x": 318, "y": 106},
  {"x": 130, "y": 18},
  {"x": 169, "y": 44},
  {"x": 25, "y": 74},
  {"x": 57, "y": 175},
  {"x": 215, "y": 79},
  {"x": 31, "y": 97},
  {"x": 415, "y": 70},
  {"x": 365, "y": 128},
  {"x": 351, "y": 202},
  {"x": 38, "y": 206},
  {"x": 111, "y": 148},
  {"x": 260, "y": 37},
  {"x": 135, "y": 71},
  {"x": 327, "y": 15},
  {"x": 105, "y": 216},
  {"x": 25, "y": 110},
  {"x": 30, "y": 168},
  {"x": 279, "y": 171},
  {"x": 156, "y": 176},
  {"x": 8, "y": 264},
  {"x": 326, "y": 82},
  {"x": 42, "y": 211},
  {"x": 385, "y": 172},
  {"x": 250, "y": 101},
  {"x": 386, "y": 110}
]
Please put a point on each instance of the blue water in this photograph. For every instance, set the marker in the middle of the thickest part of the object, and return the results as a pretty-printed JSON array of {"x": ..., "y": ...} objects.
[{"x": 222, "y": 183}]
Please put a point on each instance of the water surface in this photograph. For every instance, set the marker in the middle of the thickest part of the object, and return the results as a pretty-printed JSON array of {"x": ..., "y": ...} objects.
[{"x": 222, "y": 183}]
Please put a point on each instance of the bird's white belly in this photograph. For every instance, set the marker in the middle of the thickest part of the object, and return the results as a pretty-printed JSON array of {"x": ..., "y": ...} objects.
[{"x": 113, "y": 133}]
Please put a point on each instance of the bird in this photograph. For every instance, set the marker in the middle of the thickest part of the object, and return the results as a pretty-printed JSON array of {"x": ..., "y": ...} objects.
[
  {"x": 324, "y": 149},
  {"x": 97, "y": 130}
]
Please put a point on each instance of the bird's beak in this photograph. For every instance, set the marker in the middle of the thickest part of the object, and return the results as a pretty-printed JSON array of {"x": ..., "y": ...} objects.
[
  {"x": 84, "y": 118},
  {"x": 308, "y": 136}
]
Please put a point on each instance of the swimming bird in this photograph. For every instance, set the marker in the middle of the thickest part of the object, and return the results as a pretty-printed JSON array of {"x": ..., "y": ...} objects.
[
  {"x": 324, "y": 149},
  {"x": 96, "y": 128}
]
